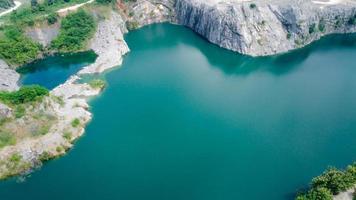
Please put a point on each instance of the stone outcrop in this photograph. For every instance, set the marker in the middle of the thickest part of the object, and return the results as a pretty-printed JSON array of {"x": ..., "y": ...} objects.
[
  {"x": 8, "y": 77},
  {"x": 260, "y": 28},
  {"x": 67, "y": 102},
  {"x": 109, "y": 44},
  {"x": 44, "y": 34}
]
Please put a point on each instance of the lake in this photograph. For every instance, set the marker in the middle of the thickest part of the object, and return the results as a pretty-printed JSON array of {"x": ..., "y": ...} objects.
[{"x": 183, "y": 119}]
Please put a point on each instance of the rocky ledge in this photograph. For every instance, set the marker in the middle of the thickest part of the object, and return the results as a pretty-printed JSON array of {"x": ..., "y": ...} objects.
[{"x": 260, "y": 28}]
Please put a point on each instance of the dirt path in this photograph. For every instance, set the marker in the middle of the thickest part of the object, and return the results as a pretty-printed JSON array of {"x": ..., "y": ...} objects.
[{"x": 73, "y": 8}]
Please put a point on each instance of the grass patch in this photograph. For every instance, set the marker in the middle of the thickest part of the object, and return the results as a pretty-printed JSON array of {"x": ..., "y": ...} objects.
[
  {"x": 75, "y": 123},
  {"x": 97, "y": 84},
  {"x": 6, "y": 139},
  {"x": 67, "y": 135}
]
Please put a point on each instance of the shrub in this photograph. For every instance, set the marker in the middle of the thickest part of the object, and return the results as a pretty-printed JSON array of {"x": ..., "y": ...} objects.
[
  {"x": 76, "y": 29},
  {"x": 67, "y": 135},
  {"x": 332, "y": 179},
  {"x": 20, "y": 111},
  {"x": 312, "y": 28},
  {"x": 104, "y": 1},
  {"x": 15, "y": 158},
  {"x": 253, "y": 6},
  {"x": 52, "y": 18},
  {"x": 24, "y": 95},
  {"x": 6, "y": 139},
  {"x": 321, "y": 26},
  {"x": 16, "y": 48},
  {"x": 97, "y": 84},
  {"x": 352, "y": 20},
  {"x": 289, "y": 35},
  {"x": 75, "y": 123}
]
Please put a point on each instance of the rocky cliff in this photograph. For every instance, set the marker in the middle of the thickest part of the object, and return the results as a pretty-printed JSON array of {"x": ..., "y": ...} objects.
[{"x": 260, "y": 28}]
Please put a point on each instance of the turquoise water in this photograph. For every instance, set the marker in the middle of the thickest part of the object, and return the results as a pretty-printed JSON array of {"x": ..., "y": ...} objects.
[
  {"x": 185, "y": 120},
  {"x": 54, "y": 70}
]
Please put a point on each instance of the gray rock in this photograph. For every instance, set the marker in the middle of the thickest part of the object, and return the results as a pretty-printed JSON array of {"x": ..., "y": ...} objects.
[
  {"x": 260, "y": 28},
  {"x": 8, "y": 77},
  {"x": 5, "y": 111},
  {"x": 43, "y": 35}
]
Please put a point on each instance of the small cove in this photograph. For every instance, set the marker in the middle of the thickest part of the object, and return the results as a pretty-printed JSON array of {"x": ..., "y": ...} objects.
[
  {"x": 54, "y": 70},
  {"x": 184, "y": 119}
]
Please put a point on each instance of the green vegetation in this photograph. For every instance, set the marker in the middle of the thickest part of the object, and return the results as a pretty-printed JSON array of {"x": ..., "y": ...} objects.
[
  {"x": 75, "y": 123},
  {"x": 331, "y": 182},
  {"x": 312, "y": 28},
  {"x": 6, "y": 139},
  {"x": 321, "y": 26},
  {"x": 15, "y": 158},
  {"x": 67, "y": 135},
  {"x": 59, "y": 149},
  {"x": 5, "y": 4},
  {"x": 97, "y": 84},
  {"x": 24, "y": 95},
  {"x": 253, "y": 6},
  {"x": 289, "y": 36},
  {"x": 45, "y": 156},
  {"x": 16, "y": 48},
  {"x": 104, "y": 1},
  {"x": 132, "y": 25},
  {"x": 19, "y": 111},
  {"x": 76, "y": 29},
  {"x": 52, "y": 18},
  {"x": 352, "y": 20},
  {"x": 43, "y": 130},
  {"x": 38, "y": 11}
]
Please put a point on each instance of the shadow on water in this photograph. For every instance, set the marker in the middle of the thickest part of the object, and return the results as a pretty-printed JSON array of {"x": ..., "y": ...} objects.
[
  {"x": 54, "y": 70},
  {"x": 238, "y": 64}
]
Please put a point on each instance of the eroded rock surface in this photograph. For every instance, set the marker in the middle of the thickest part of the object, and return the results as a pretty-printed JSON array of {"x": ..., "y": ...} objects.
[
  {"x": 8, "y": 77},
  {"x": 268, "y": 27}
]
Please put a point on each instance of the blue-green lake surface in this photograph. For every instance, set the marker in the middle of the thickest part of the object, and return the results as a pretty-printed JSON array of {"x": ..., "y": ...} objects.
[
  {"x": 54, "y": 70},
  {"x": 183, "y": 119}
]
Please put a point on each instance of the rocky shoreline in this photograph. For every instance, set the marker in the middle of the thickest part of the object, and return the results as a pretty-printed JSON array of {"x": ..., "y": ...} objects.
[
  {"x": 263, "y": 29},
  {"x": 108, "y": 43}
]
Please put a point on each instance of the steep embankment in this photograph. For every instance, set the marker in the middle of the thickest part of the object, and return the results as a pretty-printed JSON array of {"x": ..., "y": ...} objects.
[{"x": 260, "y": 28}]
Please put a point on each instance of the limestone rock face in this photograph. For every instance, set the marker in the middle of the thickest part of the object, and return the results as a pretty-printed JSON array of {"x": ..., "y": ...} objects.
[
  {"x": 5, "y": 111},
  {"x": 260, "y": 28},
  {"x": 8, "y": 77}
]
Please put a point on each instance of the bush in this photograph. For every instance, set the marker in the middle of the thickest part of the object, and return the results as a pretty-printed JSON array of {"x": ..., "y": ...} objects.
[
  {"x": 20, "y": 111},
  {"x": 16, "y": 48},
  {"x": 52, "y": 18},
  {"x": 97, "y": 84},
  {"x": 321, "y": 26},
  {"x": 75, "y": 123},
  {"x": 312, "y": 28},
  {"x": 76, "y": 29},
  {"x": 104, "y": 1},
  {"x": 253, "y": 6},
  {"x": 352, "y": 20},
  {"x": 24, "y": 95},
  {"x": 318, "y": 194},
  {"x": 6, "y": 139},
  {"x": 334, "y": 180}
]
